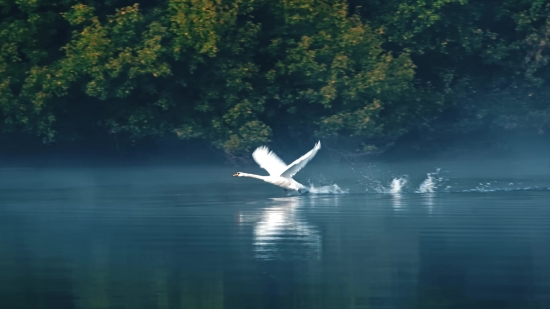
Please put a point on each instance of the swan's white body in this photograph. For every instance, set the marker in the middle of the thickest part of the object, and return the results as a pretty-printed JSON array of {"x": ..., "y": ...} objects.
[{"x": 280, "y": 174}]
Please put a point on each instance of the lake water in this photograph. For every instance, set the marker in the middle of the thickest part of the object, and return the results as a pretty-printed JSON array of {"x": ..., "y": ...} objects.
[{"x": 199, "y": 238}]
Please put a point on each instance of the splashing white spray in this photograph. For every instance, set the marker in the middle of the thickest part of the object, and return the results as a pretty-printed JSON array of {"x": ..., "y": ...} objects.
[
  {"x": 430, "y": 183},
  {"x": 332, "y": 189},
  {"x": 396, "y": 186}
]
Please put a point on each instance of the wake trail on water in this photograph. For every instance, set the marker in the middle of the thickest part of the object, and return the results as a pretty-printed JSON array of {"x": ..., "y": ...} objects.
[
  {"x": 504, "y": 189},
  {"x": 434, "y": 182}
]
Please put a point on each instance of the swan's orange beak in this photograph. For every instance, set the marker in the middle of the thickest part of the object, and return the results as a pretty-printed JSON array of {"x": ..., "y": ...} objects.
[{"x": 236, "y": 174}]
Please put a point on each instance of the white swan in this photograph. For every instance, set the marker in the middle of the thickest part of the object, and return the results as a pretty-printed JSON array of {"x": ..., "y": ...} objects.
[{"x": 279, "y": 173}]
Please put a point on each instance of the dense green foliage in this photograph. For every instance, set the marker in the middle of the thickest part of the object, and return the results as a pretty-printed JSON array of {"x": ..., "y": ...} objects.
[{"x": 238, "y": 73}]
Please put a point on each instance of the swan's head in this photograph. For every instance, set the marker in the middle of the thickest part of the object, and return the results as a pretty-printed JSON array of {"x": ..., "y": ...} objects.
[{"x": 238, "y": 174}]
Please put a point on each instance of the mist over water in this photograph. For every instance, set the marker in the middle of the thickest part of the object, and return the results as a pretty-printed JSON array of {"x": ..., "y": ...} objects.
[{"x": 377, "y": 235}]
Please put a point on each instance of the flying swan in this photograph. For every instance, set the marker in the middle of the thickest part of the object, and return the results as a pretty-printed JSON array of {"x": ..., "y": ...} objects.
[{"x": 279, "y": 173}]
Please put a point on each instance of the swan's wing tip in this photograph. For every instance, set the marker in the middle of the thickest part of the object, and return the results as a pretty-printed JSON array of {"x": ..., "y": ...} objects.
[{"x": 262, "y": 148}]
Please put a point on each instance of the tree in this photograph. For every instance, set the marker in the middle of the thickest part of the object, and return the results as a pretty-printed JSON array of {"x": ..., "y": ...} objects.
[{"x": 238, "y": 73}]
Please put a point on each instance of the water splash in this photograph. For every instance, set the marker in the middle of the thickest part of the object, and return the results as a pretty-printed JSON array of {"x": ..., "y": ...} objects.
[
  {"x": 395, "y": 186},
  {"x": 331, "y": 189},
  {"x": 431, "y": 183}
]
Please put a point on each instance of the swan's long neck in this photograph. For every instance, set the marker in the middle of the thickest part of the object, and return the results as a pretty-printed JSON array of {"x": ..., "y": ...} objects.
[{"x": 253, "y": 176}]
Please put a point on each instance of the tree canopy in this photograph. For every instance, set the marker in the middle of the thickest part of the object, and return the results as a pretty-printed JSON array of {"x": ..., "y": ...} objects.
[{"x": 238, "y": 73}]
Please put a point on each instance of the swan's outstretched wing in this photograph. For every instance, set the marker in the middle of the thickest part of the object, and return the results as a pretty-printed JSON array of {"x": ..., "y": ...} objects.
[
  {"x": 297, "y": 165},
  {"x": 269, "y": 161}
]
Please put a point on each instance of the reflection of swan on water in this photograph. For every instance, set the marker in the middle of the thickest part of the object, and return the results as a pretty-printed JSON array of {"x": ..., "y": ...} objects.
[{"x": 279, "y": 230}]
